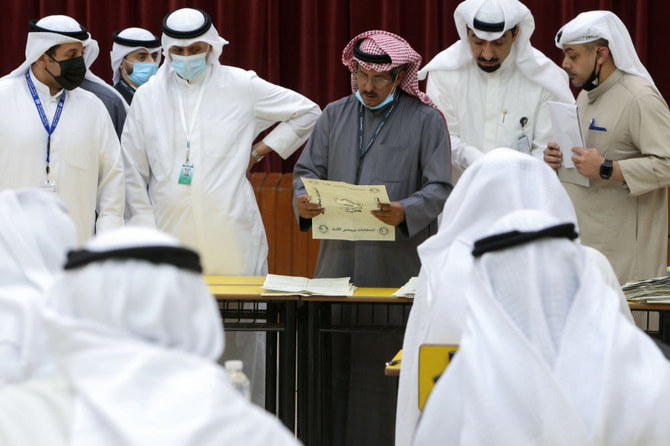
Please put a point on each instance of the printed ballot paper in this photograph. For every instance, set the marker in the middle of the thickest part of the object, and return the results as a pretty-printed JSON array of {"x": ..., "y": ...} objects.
[
  {"x": 347, "y": 211},
  {"x": 567, "y": 128}
]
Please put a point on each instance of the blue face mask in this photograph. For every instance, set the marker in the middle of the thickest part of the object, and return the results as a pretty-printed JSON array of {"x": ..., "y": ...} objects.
[
  {"x": 142, "y": 71},
  {"x": 189, "y": 67},
  {"x": 386, "y": 101}
]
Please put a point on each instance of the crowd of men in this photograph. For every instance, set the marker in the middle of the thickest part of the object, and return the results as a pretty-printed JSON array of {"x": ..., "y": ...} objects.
[{"x": 146, "y": 183}]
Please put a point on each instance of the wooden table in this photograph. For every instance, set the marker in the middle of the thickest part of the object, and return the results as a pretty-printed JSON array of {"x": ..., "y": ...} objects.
[{"x": 301, "y": 318}]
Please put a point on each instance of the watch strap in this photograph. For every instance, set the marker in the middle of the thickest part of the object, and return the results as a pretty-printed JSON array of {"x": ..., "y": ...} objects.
[
  {"x": 257, "y": 156},
  {"x": 606, "y": 169}
]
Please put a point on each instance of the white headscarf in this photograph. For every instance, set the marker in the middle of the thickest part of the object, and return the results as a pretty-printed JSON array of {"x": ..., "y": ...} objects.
[
  {"x": 188, "y": 19},
  {"x": 139, "y": 341},
  {"x": 501, "y": 182},
  {"x": 594, "y": 25},
  {"x": 36, "y": 233},
  {"x": 39, "y": 42},
  {"x": 537, "y": 67},
  {"x": 120, "y": 51},
  {"x": 547, "y": 357}
]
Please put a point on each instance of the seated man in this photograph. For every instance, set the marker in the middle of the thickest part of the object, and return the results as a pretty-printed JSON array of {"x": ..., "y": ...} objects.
[
  {"x": 502, "y": 181},
  {"x": 546, "y": 356},
  {"x": 36, "y": 233},
  {"x": 136, "y": 336}
]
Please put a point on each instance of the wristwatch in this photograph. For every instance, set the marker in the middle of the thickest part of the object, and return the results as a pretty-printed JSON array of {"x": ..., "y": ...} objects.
[
  {"x": 606, "y": 170},
  {"x": 257, "y": 156}
]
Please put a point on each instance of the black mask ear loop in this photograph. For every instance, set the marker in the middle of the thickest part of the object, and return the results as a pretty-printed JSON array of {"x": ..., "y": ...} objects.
[{"x": 593, "y": 80}]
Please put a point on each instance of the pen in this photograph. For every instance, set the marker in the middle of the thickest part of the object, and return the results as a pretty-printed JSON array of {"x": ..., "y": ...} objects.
[{"x": 394, "y": 362}]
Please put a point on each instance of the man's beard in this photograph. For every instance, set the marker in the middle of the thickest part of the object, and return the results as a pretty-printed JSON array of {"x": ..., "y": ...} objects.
[{"x": 488, "y": 68}]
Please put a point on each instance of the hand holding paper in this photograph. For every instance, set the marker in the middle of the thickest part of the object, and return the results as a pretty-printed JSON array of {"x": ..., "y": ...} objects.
[
  {"x": 567, "y": 129},
  {"x": 349, "y": 211}
]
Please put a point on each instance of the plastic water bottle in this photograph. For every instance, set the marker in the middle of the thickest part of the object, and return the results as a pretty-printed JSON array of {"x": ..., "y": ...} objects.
[{"x": 238, "y": 378}]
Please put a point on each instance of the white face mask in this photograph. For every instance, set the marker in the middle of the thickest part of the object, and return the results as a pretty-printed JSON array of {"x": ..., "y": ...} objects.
[{"x": 189, "y": 67}]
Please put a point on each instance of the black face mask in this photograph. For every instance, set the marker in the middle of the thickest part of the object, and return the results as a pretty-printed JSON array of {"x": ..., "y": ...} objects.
[
  {"x": 72, "y": 72},
  {"x": 593, "y": 80}
]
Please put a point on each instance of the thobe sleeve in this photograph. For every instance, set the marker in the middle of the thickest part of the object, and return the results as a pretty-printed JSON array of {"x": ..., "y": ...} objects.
[
  {"x": 542, "y": 128},
  {"x": 139, "y": 211},
  {"x": 424, "y": 205},
  {"x": 313, "y": 163},
  {"x": 111, "y": 188},
  {"x": 649, "y": 124},
  {"x": 295, "y": 113},
  {"x": 462, "y": 153}
]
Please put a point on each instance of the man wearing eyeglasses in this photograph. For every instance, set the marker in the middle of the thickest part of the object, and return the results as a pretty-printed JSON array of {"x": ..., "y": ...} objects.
[
  {"x": 387, "y": 132},
  {"x": 492, "y": 85}
]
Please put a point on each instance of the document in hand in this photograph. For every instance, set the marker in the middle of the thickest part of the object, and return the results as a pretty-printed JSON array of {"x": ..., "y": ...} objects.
[
  {"x": 567, "y": 128},
  {"x": 347, "y": 210},
  {"x": 408, "y": 289},
  {"x": 277, "y": 285}
]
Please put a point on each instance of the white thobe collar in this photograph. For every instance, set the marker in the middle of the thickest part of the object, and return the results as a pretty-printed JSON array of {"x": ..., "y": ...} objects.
[{"x": 42, "y": 89}]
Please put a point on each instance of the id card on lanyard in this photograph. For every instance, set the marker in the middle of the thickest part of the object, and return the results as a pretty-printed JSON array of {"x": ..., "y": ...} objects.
[
  {"x": 48, "y": 184},
  {"x": 186, "y": 172}
]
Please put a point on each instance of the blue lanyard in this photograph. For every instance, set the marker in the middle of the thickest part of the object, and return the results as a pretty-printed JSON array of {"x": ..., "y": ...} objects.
[
  {"x": 361, "y": 118},
  {"x": 43, "y": 116}
]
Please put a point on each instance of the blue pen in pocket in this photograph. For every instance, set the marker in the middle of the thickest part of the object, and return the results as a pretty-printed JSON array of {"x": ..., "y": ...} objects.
[{"x": 593, "y": 126}]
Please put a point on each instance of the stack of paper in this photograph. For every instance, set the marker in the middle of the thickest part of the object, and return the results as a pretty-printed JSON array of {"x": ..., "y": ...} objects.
[
  {"x": 648, "y": 291},
  {"x": 277, "y": 285},
  {"x": 408, "y": 289}
]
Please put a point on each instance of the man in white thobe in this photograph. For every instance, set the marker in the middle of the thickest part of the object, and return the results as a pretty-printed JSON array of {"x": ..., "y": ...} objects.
[
  {"x": 136, "y": 357},
  {"x": 36, "y": 234},
  {"x": 491, "y": 85},
  {"x": 187, "y": 146},
  {"x": 546, "y": 357},
  {"x": 58, "y": 137},
  {"x": 623, "y": 212},
  {"x": 135, "y": 57},
  {"x": 503, "y": 181}
]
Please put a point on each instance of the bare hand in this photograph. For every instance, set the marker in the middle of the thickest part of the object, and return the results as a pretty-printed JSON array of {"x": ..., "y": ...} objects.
[
  {"x": 553, "y": 155},
  {"x": 587, "y": 161},
  {"x": 390, "y": 213},
  {"x": 307, "y": 209}
]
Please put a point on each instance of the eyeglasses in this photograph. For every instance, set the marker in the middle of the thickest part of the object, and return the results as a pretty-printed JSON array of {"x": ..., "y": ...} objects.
[{"x": 377, "y": 81}]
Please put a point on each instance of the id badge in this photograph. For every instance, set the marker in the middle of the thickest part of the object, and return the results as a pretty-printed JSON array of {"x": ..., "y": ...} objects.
[
  {"x": 186, "y": 173},
  {"x": 523, "y": 144},
  {"x": 49, "y": 186}
]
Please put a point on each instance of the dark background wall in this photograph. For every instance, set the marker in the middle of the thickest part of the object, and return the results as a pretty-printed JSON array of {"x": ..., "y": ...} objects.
[{"x": 298, "y": 43}]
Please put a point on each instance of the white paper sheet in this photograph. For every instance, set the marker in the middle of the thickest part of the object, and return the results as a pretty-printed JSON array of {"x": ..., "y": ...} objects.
[
  {"x": 567, "y": 129},
  {"x": 408, "y": 289},
  {"x": 279, "y": 285},
  {"x": 347, "y": 211}
]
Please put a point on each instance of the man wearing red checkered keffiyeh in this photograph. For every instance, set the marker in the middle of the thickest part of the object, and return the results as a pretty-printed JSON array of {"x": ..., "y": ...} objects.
[
  {"x": 386, "y": 133},
  {"x": 395, "y": 48}
]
